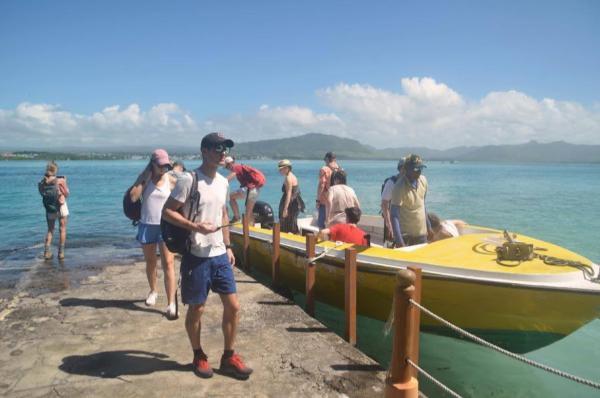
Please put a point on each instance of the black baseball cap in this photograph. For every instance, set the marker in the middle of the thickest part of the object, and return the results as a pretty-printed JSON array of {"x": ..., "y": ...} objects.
[{"x": 213, "y": 139}]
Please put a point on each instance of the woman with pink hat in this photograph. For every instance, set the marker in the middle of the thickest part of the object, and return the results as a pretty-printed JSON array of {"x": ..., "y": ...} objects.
[{"x": 154, "y": 186}]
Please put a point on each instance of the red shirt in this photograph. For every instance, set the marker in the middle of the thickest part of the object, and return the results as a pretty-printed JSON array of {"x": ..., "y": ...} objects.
[
  {"x": 348, "y": 233},
  {"x": 248, "y": 176}
]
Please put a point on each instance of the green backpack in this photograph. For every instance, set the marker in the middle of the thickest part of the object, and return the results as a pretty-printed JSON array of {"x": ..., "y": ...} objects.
[{"x": 49, "y": 194}]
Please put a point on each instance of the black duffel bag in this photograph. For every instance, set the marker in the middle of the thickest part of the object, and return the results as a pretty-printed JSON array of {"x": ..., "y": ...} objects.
[{"x": 178, "y": 239}]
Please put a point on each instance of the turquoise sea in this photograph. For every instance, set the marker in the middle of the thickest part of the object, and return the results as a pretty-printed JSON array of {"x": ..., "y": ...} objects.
[{"x": 559, "y": 203}]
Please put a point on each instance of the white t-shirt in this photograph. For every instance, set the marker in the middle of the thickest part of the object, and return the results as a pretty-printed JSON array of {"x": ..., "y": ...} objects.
[
  {"x": 213, "y": 197},
  {"x": 388, "y": 188},
  {"x": 341, "y": 197},
  {"x": 450, "y": 227},
  {"x": 153, "y": 200}
]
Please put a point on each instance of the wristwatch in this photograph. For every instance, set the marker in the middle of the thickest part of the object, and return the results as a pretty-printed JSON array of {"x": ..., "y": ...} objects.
[{"x": 229, "y": 246}]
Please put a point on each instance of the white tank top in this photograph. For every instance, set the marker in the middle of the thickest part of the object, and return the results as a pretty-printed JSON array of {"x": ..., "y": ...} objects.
[{"x": 153, "y": 200}]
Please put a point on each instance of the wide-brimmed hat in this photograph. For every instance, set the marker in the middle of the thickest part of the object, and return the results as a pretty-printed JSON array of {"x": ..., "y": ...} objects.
[
  {"x": 160, "y": 157},
  {"x": 284, "y": 163},
  {"x": 413, "y": 162}
]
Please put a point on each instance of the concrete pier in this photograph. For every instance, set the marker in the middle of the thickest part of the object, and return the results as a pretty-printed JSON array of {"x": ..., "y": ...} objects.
[{"x": 100, "y": 340}]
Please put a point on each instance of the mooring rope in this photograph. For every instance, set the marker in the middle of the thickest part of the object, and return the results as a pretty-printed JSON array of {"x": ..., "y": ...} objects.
[
  {"x": 435, "y": 381},
  {"x": 325, "y": 252},
  {"x": 505, "y": 352}
]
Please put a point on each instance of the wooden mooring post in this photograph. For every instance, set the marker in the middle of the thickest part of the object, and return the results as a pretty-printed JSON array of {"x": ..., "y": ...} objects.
[
  {"x": 400, "y": 382},
  {"x": 350, "y": 295},
  {"x": 275, "y": 255},
  {"x": 310, "y": 274},
  {"x": 246, "y": 248}
]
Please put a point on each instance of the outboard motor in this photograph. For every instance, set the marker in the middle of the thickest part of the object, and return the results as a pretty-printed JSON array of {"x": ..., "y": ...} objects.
[{"x": 263, "y": 214}]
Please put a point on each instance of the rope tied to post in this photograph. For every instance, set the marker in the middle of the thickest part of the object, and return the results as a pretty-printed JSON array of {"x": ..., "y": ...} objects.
[{"x": 518, "y": 357}]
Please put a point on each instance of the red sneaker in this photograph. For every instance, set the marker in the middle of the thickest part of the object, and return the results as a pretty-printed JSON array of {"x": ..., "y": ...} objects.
[
  {"x": 202, "y": 368},
  {"x": 234, "y": 366}
]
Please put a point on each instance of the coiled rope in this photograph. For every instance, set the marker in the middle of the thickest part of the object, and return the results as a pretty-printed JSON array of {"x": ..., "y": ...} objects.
[{"x": 506, "y": 352}]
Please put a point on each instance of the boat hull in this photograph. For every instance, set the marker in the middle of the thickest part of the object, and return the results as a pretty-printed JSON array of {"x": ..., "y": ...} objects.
[{"x": 518, "y": 317}]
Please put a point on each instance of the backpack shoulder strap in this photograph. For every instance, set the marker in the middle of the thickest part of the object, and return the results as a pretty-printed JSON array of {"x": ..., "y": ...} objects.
[{"x": 194, "y": 196}]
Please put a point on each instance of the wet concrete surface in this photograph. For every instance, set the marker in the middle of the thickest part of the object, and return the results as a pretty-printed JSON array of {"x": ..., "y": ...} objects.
[{"x": 99, "y": 339}]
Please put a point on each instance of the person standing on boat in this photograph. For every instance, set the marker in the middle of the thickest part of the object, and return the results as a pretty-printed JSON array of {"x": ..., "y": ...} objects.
[
  {"x": 54, "y": 191},
  {"x": 251, "y": 180},
  {"x": 208, "y": 265},
  {"x": 291, "y": 202},
  {"x": 386, "y": 198},
  {"x": 339, "y": 198},
  {"x": 408, "y": 213},
  {"x": 331, "y": 165},
  {"x": 347, "y": 232},
  {"x": 154, "y": 186}
]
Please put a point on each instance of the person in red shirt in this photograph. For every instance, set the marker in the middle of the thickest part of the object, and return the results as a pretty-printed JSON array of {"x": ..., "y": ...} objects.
[
  {"x": 251, "y": 180},
  {"x": 347, "y": 232}
]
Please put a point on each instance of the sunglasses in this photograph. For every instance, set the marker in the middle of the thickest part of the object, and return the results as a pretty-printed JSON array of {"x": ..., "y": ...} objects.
[
  {"x": 164, "y": 167},
  {"x": 221, "y": 148}
]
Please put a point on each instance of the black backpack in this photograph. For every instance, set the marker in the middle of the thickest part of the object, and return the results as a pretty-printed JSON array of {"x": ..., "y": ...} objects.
[
  {"x": 132, "y": 210},
  {"x": 49, "y": 194},
  {"x": 175, "y": 237},
  {"x": 393, "y": 178}
]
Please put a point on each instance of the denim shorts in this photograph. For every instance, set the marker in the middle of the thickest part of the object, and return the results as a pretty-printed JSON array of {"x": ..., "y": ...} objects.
[
  {"x": 148, "y": 233},
  {"x": 199, "y": 275}
]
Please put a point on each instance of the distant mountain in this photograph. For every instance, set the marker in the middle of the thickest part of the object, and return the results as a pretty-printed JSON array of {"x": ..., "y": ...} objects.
[
  {"x": 308, "y": 146},
  {"x": 314, "y": 146}
]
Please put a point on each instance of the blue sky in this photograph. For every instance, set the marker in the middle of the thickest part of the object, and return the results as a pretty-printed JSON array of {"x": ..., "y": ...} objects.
[{"x": 272, "y": 69}]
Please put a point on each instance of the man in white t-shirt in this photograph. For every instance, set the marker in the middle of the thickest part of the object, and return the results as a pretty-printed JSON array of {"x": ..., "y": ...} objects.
[{"x": 209, "y": 263}]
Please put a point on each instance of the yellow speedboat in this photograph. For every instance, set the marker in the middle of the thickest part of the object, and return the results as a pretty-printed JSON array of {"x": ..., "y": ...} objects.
[{"x": 521, "y": 305}]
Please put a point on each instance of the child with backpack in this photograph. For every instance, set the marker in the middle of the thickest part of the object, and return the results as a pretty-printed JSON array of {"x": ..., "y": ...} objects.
[{"x": 54, "y": 191}]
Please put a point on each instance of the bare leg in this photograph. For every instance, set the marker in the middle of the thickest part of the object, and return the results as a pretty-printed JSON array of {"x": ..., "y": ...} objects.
[
  {"x": 250, "y": 211},
  {"x": 193, "y": 324},
  {"x": 63, "y": 230},
  {"x": 150, "y": 257},
  {"x": 231, "y": 311},
  {"x": 234, "y": 206},
  {"x": 50, "y": 232},
  {"x": 168, "y": 264}
]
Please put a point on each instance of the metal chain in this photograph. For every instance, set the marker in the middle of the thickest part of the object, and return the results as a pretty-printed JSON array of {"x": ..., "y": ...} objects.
[
  {"x": 433, "y": 379},
  {"x": 506, "y": 352}
]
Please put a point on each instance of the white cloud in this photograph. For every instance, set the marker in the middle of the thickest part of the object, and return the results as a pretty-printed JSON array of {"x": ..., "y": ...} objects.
[{"x": 422, "y": 113}]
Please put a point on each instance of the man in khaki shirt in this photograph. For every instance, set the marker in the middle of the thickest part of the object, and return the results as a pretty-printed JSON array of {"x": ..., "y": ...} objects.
[{"x": 409, "y": 217}]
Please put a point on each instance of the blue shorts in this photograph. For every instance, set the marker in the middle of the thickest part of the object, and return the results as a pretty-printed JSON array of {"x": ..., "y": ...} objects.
[
  {"x": 148, "y": 233},
  {"x": 201, "y": 274}
]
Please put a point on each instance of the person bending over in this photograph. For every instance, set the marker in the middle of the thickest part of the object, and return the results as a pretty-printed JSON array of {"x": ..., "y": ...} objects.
[
  {"x": 251, "y": 181},
  {"x": 347, "y": 232}
]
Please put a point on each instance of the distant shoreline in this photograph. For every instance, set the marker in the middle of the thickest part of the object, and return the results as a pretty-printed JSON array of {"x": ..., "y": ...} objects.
[
  {"x": 365, "y": 159},
  {"x": 313, "y": 146}
]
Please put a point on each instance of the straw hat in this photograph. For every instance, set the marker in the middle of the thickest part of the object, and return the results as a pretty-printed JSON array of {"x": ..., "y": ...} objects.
[{"x": 284, "y": 163}]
